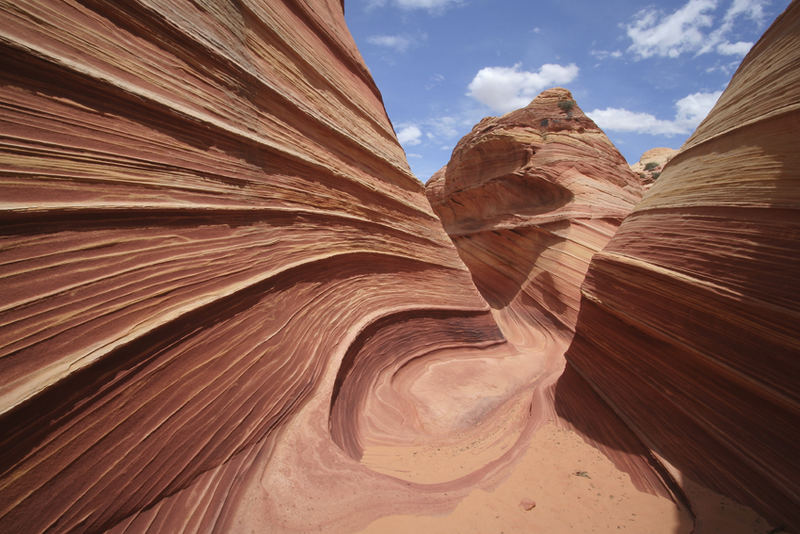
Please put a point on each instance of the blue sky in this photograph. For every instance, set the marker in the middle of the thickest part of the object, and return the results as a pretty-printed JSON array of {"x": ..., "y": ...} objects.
[{"x": 646, "y": 73}]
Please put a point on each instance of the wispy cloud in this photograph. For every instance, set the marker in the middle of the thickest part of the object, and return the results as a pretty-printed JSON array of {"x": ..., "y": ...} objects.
[
  {"x": 401, "y": 43},
  {"x": 500, "y": 88},
  {"x": 726, "y": 67},
  {"x": 691, "y": 29},
  {"x": 443, "y": 127},
  {"x": 654, "y": 34},
  {"x": 434, "y": 6},
  {"x": 440, "y": 131},
  {"x": 689, "y": 111},
  {"x": 507, "y": 88},
  {"x": 434, "y": 81},
  {"x": 738, "y": 48},
  {"x": 604, "y": 54}
]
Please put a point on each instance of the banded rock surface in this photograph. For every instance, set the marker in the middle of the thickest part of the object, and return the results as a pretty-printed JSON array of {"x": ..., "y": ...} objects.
[
  {"x": 689, "y": 319},
  {"x": 528, "y": 198},
  {"x": 203, "y": 205},
  {"x": 228, "y": 304},
  {"x": 230, "y": 308}
]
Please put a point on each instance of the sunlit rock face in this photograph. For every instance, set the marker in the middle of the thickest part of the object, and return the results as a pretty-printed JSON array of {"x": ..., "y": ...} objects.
[
  {"x": 203, "y": 205},
  {"x": 689, "y": 322},
  {"x": 651, "y": 164},
  {"x": 527, "y": 199},
  {"x": 229, "y": 306}
]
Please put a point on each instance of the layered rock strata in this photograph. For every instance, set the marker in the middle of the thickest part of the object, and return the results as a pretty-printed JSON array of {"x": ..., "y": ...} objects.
[
  {"x": 230, "y": 308},
  {"x": 228, "y": 304},
  {"x": 202, "y": 206},
  {"x": 528, "y": 198},
  {"x": 688, "y": 324}
]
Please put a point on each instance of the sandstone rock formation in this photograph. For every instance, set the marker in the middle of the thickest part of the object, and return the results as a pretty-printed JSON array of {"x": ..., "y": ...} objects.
[
  {"x": 202, "y": 207},
  {"x": 651, "y": 164},
  {"x": 689, "y": 321},
  {"x": 528, "y": 198},
  {"x": 229, "y": 306}
]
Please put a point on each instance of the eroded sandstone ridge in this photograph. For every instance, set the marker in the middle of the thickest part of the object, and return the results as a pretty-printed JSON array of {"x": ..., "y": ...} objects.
[
  {"x": 528, "y": 198},
  {"x": 689, "y": 322},
  {"x": 203, "y": 206},
  {"x": 229, "y": 306},
  {"x": 651, "y": 164}
]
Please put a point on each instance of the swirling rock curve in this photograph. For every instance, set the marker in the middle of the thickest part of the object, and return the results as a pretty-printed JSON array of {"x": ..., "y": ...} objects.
[
  {"x": 229, "y": 306},
  {"x": 201, "y": 204}
]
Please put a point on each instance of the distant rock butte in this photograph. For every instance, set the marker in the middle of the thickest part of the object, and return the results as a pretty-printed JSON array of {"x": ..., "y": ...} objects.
[
  {"x": 230, "y": 307},
  {"x": 651, "y": 164},
  {"x": 528, "y": 198}
]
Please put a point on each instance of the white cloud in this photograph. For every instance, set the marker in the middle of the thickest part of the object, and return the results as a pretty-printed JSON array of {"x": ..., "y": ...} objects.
[
  {"x": 689, "y": 111},
  {"x": 749, "y": 9},
  {"x": 507, "y": 88},
  {"x": 690, "y": 29},
  {"x": 603, "y": 54},
  {"x": 397, "y": 42},
  {"x": 400, "y": 42},
  {"x": 734, "y": 49},
  {"x": 443, "y": 126},
  {"x": 623, "y": 120},
  {"x": 752, "y": 9},
  {"x": 435, "y": 130},
  {"x": 435, "y": 6},
  {"x": 726, "y": 68},
  {"x": 409, "y": 135},
  {"x": 654, "y": 34},
  {"x": 693, "y": 108}
]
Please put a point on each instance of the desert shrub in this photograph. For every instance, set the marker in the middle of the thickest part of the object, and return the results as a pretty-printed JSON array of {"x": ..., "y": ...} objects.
[
  {"x": 656, "y": 175},
  {"x": 566, "y": 105},
  {"x": 650, "y": 166}
]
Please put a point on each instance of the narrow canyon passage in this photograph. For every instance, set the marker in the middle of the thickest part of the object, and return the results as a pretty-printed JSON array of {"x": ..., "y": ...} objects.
[
  {"x": 454, "y": 417},
  {"x": 229, "y": 306}
]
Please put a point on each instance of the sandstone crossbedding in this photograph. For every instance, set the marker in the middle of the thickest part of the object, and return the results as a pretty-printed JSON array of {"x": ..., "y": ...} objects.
[{"x": 230, "y": 307}]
